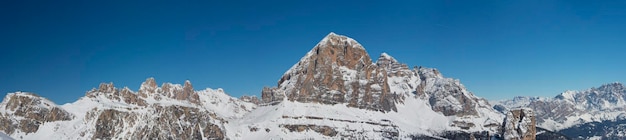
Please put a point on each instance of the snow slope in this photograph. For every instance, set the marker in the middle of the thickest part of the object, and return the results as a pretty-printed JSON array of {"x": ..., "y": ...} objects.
[
  {"x": 411, "y": 118},
  {"x": 89, "y": 110},
  {"x": 5, "y": 137},
  {"x": 604, "y": 103}
]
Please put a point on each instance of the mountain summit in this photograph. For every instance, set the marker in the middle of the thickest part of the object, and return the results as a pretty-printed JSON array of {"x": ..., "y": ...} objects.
[
  {"x": 336, "y": 70},
  {"x": 339, "y": 72}
]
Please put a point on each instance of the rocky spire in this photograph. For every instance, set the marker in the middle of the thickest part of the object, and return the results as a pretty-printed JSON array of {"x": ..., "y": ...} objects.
[
  {"x": 106, "y": 87},
  {"x": 148, "y": 87},
  {"x": 519, "y": 124},
  {"x": 187, "y": 93},
  {"x": 187, "y": 88},
  {"x": 392, "y": 66}
]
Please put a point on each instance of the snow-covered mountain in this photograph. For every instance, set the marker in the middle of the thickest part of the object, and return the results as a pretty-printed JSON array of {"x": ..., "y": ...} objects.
[
  {"x": 171, "y": 111},
  {"x": 339, "y": 76},
  {"x": 335, "y": 91},
  {"x": 572, "y": 108}
]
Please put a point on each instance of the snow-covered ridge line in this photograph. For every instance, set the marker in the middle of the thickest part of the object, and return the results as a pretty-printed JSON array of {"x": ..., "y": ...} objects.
[
  {"x": 131, "y": 113},
  {"x": 573, "y": 107}
]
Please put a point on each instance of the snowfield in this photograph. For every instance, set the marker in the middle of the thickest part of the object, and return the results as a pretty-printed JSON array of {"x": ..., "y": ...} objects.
[{"x": 415, "y": 117}]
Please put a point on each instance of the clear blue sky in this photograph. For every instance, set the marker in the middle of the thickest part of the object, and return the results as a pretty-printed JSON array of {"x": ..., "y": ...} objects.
[{"x": 498, "y": 49}]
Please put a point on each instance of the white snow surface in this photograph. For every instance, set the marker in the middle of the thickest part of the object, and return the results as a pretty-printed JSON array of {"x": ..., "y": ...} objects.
[
  {"x": 5, "y": 137},
  {"x": 388, "y": 57},
  {"x": 413, "y": 117}
]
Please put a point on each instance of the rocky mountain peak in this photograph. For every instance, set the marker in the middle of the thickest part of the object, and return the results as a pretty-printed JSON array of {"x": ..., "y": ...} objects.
[
  {"x": 148, "y": 86},
  {"x": 392, "y": 66},
  {"x": 605, "y": 90},
  {"x": 32, "y": 110},
  {"x": 386, "y": 57},
  {"x": 187, "y": 85},
  {"x": 188, "y": 93},
  {"x": 567, "y": 95},
  {"x": 613, "y": 87},
  {"x": 336, "y": 70},
  {"x": 340, "y": 50},
  {"x": 106, "y": 87},
  {"x": 430, "y": 73},
  {"x": 333, "y": 39},
  {"x": 126, "y": 90}
]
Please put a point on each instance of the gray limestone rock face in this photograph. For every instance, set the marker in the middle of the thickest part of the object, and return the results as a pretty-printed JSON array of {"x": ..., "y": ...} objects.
[{"x": 519, "y": 124}]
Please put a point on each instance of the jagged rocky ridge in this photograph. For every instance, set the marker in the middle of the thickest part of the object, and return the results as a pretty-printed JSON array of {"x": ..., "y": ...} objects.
[
  {"x": 334, "y": 91},
  {"x": 171, "y": 111},
  {"x": 25, "y": 112},
  {"x": 563, "y": 113}
]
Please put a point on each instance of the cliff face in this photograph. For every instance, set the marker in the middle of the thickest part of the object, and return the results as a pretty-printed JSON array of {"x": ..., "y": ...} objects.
[
  {"x": 25, "y": 112},
  {"x": 336, "y": 70},
  {"x": 161, "y": 122},
  {"x": 519, "y": 125}
]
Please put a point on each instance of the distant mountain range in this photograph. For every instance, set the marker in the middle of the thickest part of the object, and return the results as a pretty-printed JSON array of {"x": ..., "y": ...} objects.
[
  {"x": 335, "y": 91},
  {"x": 593, "y": 113}
]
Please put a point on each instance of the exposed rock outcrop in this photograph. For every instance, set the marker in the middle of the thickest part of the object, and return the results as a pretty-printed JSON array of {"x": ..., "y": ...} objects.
[
  {"x": 163, "y": 122},
  {"x": 519, "y": 125},
  {"x": 106, "y": 87},
  {"x": 324, "y": 130},
  {"x": 251, "y": 99},
  {"x": 27, "y": 111},
  {"x": 148, "y": 87},
  {"x": 184, "y": 93},
  {"x": 171, "y": 112},
  {"x": 336, "y": 70},
  {"x": 107, "y": 90}
]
